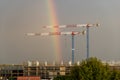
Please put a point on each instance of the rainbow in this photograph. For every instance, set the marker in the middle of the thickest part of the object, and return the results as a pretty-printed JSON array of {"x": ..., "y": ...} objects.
[{"x": 54, "y": 21}]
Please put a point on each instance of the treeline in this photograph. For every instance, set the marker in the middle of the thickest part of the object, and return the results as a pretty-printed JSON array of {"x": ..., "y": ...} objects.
[{"x": 91, "y": 69}]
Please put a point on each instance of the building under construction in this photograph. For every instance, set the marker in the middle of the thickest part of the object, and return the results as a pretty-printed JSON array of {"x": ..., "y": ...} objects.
[
  {"x": 35, "y": 69},
  {"x": 44, "y": 71}
]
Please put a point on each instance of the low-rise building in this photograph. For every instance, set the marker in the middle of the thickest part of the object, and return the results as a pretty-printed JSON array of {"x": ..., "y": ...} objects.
[{"x": 32, "y": 69}]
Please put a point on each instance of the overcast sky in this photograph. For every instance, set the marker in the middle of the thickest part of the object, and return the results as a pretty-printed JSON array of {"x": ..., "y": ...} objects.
[{"x": 18, "y": 17}]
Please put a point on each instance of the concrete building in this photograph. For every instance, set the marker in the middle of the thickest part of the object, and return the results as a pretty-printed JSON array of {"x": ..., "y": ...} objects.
[
  {"x": 34, "y": 68},
  {"x": 45, "y": 71},
  {"x": 10, "y": 71}
]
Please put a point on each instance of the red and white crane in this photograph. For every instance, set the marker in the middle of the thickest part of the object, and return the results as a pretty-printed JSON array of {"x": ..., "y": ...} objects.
[
  {"x": 56, "y": 33},
  {"x": 72, "y": 33},
  {"x": 72, "y": 26},
  {"x": 78, "y": 26}
]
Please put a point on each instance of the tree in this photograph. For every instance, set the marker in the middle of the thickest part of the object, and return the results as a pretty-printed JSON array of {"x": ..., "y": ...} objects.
[
  {"x": 115, "y": 75},
  {"x": 75, "y": 72},
  {"x": 63, "y": 78},
  {"x": 91, "y": 69}
]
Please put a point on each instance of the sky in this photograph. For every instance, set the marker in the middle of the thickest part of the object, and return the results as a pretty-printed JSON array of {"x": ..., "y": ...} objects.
[{"x": 18, "y": 17}]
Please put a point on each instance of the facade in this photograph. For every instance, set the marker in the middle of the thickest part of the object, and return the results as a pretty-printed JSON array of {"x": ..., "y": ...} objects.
[
  {"x": 45, "y": 71},
  {"x": 32, "y": 69},
  {"x": 10, "y": 71}
]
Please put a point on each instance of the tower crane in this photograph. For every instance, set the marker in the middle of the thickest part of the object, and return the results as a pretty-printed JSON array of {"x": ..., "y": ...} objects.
[
  {"x": 73, "y": 33},
  {"x": 77, "y": 26}
]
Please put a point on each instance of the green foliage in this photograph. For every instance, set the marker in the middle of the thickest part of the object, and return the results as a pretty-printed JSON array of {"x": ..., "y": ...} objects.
[
  {"x": 93, "y": 69},
  {"x": 75, "y": 72},
  {"x": 115, "y": 75},
  {"x": 63, "y": 78},
  {"x": 11, "y": 78}
]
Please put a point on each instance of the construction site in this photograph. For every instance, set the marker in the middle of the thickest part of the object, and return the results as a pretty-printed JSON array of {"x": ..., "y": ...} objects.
[
  {"x": 48, "y": 39},
  {"x": 35, "y": 69}
]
